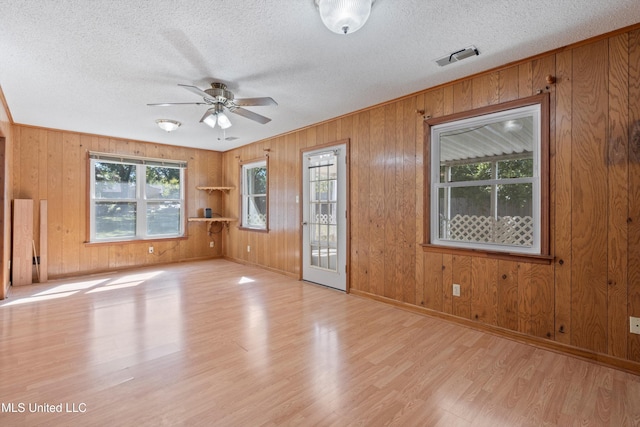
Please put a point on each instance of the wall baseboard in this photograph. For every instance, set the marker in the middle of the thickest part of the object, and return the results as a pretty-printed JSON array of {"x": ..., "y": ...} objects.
[{"x": 274, "y": 270}]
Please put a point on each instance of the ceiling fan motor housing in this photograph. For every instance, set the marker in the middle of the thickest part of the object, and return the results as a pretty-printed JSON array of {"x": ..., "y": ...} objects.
[{"x": 219, "y": 92}]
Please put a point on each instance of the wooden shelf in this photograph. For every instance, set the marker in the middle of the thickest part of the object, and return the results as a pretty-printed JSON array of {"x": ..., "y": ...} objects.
[
  {"x": 218, "y": 219},
  {"x": 212, "y": 189},
  {"x": 225, "y": 221}
]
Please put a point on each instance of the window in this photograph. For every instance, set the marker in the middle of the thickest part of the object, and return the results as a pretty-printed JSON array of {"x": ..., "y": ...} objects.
[
  {"x": 254, "y": 195},
  {"x": 488, "y": 178},
  {"x": 135, "y": 198}
]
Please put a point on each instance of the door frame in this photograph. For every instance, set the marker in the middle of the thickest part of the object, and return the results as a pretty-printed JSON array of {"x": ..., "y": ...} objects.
[
  {"x": 5, "y": 241},
  {"x": 304, "y": 151}
]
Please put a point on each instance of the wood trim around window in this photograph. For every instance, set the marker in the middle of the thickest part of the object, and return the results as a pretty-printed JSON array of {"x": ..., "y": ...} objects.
[
  {"x": 545, "y": 255},
  {"x": 241, "y": 193}
]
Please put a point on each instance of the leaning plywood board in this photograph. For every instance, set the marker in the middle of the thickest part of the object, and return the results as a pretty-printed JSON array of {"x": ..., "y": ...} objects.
[
  {"x": 22, "y": 264},
  {"x": 44, "y": 264}
]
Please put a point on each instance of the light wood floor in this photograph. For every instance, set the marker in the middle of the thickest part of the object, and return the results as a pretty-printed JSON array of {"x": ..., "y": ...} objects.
[{"x": 217, "y": 343}]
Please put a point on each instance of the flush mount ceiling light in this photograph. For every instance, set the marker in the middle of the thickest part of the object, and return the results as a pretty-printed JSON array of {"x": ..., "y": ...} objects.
[
  {"x": 168, "y": 125},
  {"x": 344, "y": 16},
  {"x": 217, "y": 116}
]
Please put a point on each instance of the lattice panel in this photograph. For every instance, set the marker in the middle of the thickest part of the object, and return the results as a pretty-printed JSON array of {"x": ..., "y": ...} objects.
[
  {"x": 257, "y": 218},
  {"x": 325, "y": 219},
  {"x": 507, "y": 230},
  {"x": 514, "y": 230}
]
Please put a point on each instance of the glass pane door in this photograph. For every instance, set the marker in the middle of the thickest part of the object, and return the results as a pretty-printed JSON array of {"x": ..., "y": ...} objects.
[{"x": 323, "y": 200}]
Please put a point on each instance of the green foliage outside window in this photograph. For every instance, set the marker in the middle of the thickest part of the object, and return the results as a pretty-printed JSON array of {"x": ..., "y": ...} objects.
[
  {"x": 120, "y": 204},
  {"x": 512, "y": 198}
]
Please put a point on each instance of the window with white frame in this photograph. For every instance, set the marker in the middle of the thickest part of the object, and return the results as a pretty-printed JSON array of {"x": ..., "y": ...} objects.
[
  {"x": 487, "y": 180},
  {"x": 134, "y": 198},
  {"x": 254, "y": 195}
]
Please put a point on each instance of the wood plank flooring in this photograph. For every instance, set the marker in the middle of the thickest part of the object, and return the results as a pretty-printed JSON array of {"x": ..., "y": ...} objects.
[{"x": 218, "y": 343}]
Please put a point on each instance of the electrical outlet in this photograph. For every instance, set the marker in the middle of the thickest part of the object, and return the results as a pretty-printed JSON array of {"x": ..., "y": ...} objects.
[
  {"x": 211, "y": 244},
  {"x": 248, "y": 248},
  {"x": 634, "y": 323},
  {"x": 150, "y": 249},
  {"x": 456, "y": 290}
]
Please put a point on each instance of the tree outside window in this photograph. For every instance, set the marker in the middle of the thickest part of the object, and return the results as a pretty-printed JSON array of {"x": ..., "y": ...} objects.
[{"x": 135, "y": 198}]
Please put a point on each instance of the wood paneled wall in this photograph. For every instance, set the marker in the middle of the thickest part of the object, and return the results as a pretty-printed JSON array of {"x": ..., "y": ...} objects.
[
  {"x": 52, "y": 165},
  {"x": 583, "y": 299}
]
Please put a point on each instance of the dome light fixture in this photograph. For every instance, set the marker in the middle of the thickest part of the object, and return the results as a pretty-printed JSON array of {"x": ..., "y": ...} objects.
[
  {"x": 168, "y": 125},
  {"x": 344, "y": 16}
]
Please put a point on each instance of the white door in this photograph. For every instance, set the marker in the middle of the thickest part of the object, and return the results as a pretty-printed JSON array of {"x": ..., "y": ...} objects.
[{"x": 324, "y": 216}]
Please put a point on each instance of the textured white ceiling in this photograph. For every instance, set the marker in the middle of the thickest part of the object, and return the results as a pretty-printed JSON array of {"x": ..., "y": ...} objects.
[{"x": 92, "y": 66}]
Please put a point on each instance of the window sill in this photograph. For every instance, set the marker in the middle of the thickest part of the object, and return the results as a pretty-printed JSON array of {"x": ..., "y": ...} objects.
[
  {"x": 257, "y": 230},
  {"x": 536, "y": 259},
  {"x": 127, "y": 242}
]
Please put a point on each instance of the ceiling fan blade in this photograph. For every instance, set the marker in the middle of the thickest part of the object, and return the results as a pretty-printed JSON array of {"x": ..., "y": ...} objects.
[
  {"x": 168, "y": 104},
  {"x": 254, "y": 101},
  {"x": 197, "y": 91},
  {"x": 250, "y": 115}
]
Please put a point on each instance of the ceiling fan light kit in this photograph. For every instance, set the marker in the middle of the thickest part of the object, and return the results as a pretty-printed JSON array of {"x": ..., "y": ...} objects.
[
  {"x": 217, "y": 116},
  {"x": 210, "y": 120},
  {"x": 344, "y": 16},
  {"x": 168, "y": 125},
  {"x": 223, "y": 121}
]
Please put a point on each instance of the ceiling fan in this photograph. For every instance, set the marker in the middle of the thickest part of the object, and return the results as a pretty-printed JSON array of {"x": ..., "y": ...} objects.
[{"x": 219, "y": 98}]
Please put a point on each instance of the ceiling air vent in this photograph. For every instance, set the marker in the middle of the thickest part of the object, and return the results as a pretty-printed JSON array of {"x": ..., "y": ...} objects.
[{"x": 457, "y": 56}]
